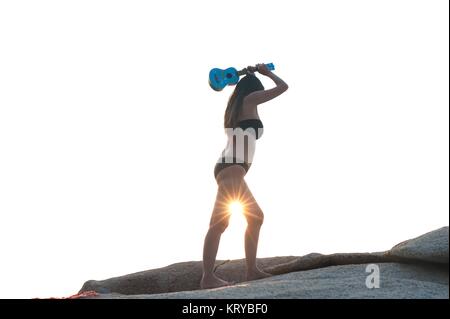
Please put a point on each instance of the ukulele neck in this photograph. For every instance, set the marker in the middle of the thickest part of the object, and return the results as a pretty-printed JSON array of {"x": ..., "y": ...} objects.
[{"x": 242, "y": 72}]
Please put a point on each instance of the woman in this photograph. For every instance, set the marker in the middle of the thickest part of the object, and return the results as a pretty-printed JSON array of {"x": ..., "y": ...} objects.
[{"x": 241, "y": 120}]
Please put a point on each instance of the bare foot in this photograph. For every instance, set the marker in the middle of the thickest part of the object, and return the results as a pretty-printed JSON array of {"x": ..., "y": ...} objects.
[
  {"x": 257, "y": 274},
  {"x": 212, "y": 281}
]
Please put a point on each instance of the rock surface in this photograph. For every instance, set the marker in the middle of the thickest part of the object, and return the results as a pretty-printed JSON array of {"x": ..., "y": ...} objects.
[
  {"x": 416, "y": 268},
  {"x": 431, "y": 247},
  {"x": 336, "y": 282}
]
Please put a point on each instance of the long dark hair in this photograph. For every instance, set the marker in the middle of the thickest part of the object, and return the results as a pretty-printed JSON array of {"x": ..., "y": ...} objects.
[{"x": 246, "y": 85}]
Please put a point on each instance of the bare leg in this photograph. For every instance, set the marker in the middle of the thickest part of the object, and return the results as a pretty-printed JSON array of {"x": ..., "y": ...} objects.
[
  {"x": 211, "y": 245},
  {"x": 219, "y": 222},
  {"x": 255, "y": 218},
  {"x": 251, "y": 246}
]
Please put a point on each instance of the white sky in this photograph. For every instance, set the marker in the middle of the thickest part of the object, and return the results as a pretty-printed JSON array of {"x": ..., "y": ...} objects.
[{"x": 109, "y": 131}]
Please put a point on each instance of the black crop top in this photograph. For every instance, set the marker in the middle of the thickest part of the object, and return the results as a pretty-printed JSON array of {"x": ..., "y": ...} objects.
[{"x": 253, "y": 123}]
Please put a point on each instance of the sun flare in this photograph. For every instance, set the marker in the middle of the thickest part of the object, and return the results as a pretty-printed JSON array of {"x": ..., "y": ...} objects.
[{"x": 236, "y": 208}]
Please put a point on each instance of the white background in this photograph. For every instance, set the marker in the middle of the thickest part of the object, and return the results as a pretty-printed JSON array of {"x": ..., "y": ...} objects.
[{"x": 109, "y": 131}]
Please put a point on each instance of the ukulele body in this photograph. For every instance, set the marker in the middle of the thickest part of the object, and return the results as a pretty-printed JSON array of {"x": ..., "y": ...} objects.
[{"x": 219, "y": 79}]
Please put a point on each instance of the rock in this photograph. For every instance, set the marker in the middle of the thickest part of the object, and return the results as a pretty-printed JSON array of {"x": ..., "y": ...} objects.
[
  {"x": 430, "y": 247},
  {"x": 176, "y": 277},
  {"x": 416, "y": 268},
  {"x": 315, "y": 260},
  {"x": 335, "y": 282}
]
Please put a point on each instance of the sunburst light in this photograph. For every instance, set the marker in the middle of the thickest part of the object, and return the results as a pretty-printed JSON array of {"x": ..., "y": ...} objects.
[{"x": 235, "y": 208}]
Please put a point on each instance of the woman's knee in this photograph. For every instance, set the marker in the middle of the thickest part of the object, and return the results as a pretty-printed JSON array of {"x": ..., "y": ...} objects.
[
  {"x": 255, "y": 218},
  {"x": 220, "y": 226}
]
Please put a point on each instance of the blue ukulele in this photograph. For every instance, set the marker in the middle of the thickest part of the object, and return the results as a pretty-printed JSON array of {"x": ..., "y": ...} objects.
[{"x": 218, "y": 78}]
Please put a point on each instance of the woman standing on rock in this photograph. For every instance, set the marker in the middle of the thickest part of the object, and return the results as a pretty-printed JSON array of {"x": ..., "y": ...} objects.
[{"x": 243, "y": 128}]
